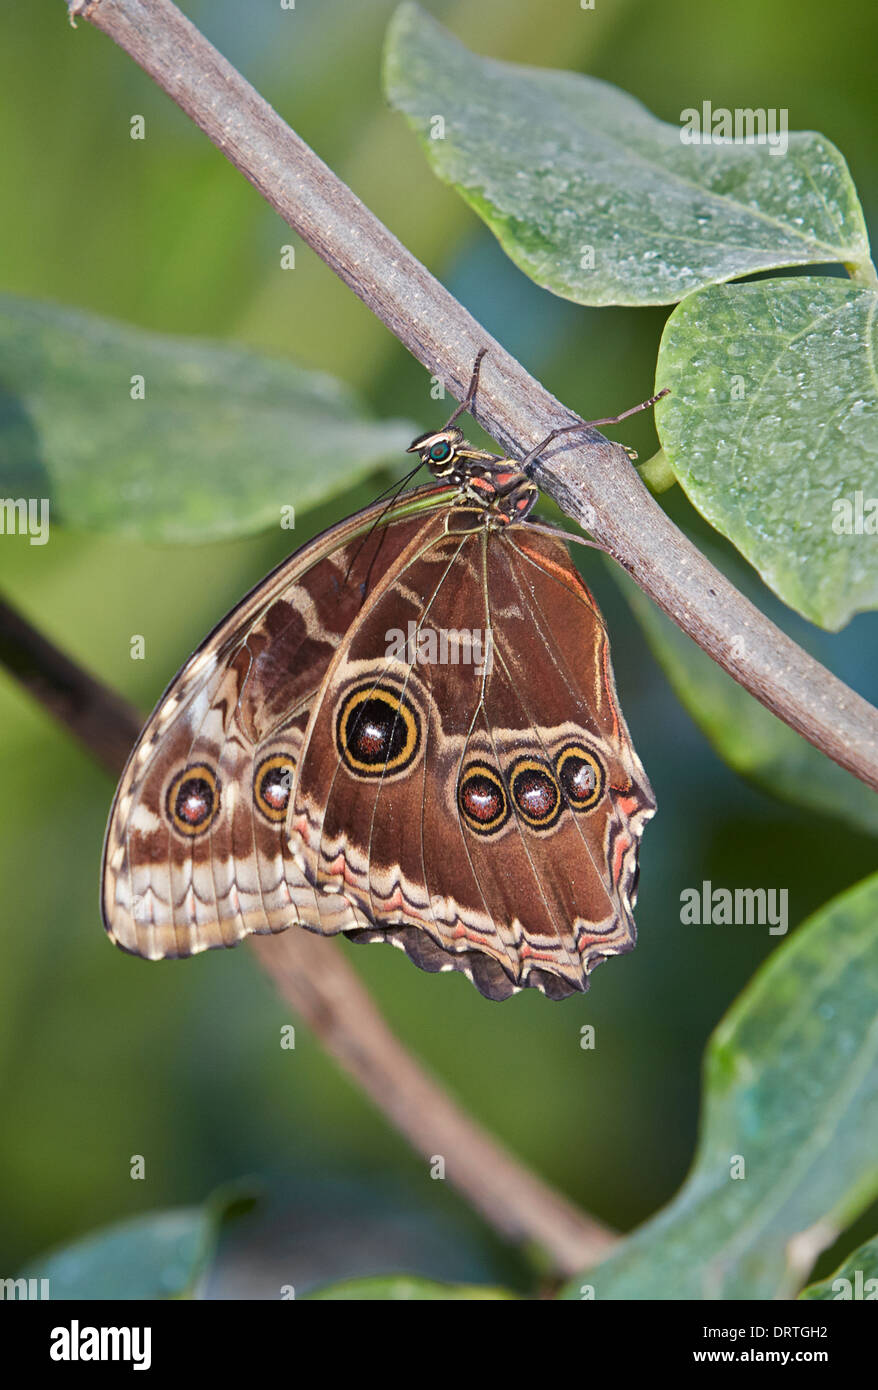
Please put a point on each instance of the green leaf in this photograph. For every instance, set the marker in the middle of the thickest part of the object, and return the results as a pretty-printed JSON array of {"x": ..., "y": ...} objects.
[
  {"x": 772, "y": 430},
  {"x": 657, "y": 473},
  {"x": 790, "y": 1088},
  {"x": 161, "y": 1255},
  {"x": 223, "y": 439},
  {"x": 403, "y": 1288},
  {"x": 852, "y": 1278},
  {"x": 744, "y": 733},
  {"x": 556, "y": 163}
]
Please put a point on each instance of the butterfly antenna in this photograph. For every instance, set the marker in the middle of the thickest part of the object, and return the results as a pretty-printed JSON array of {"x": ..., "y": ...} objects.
[
  {"x": 469, "y": 398},
  {"x": 397, "y": 488}
]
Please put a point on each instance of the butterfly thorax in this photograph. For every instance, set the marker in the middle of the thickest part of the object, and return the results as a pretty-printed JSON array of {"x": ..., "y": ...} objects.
[{"x": 495, "y": 483}]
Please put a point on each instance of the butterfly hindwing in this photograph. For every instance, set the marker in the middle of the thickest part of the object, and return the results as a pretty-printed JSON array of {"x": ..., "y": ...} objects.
[{"x": 467, "y": 799}]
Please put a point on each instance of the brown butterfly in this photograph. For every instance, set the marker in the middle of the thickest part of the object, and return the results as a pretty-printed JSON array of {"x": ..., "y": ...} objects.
[{"x": 408, "y": 732}]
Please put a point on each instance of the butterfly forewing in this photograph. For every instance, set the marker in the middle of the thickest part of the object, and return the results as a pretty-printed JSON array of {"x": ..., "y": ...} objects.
[{"x": 197, "y": 853}]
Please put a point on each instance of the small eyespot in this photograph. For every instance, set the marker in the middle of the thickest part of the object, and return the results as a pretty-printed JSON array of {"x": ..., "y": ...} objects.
[
  {"x": 441, "y": 451},
  {"x": 377, "y": 732},
  {"x": 581, "y": 776},
  {"x": 481, "y": 799},
  {"x": 193, "y": 799},
  {"x": 273, "y": 785},
  {"x": 535, "y": 792}
]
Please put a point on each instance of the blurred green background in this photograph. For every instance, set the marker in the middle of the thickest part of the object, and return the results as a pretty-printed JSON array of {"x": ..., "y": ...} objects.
[{"x": 103, "y": 1056}]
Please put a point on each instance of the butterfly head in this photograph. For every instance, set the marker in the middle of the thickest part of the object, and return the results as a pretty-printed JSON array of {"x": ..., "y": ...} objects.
[{"x": 440, "y": 452}]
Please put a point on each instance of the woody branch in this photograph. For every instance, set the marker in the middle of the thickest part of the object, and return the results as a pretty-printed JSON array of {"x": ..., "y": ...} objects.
[
  {"x": 312, "y": 975},
  {"x": 592, "y": 480}
]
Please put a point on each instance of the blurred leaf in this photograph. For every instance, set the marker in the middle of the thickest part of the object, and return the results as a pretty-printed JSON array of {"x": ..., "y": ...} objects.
[
  {"x": 744, "y": 733},
  {"x": 222, "y": 441},
  {"x": 772, "y": 418},
  {"x": 657, "y": 473},
  {"x": 856, "y": 1271},
  {"x": 401, "y": 1288},
  {"x": 790, "y": 1088},
  {"x": 556, "y": 164},
  {"x": 160, "y": 1255}
]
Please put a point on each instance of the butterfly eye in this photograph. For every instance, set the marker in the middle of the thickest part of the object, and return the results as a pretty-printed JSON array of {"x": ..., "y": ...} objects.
[
  {"x": 441, "y": 451},
  {"x": 193, "y": 799},
  {"x": 377, "y": 731},
  {"x": 273, "y": 785},
  {"x": 536, "y": 794},
  {"x": 481, "y": 799},
  {"x": 581, "y": 776}
]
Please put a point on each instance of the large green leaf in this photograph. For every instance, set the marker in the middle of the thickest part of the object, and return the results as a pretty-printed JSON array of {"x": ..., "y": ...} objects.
[
  {"x": 223, "y": 440},
  {"x": 404, "y": 1288},
  {"x": 745, "y": 734},
  {"x": 790, "y": 1089},
  {"x": 596, "y": 199},
  {"x": 855, "y": 1278},
  {"x": 160, "y": 1255},
  {"x": 772, "y": 429}
]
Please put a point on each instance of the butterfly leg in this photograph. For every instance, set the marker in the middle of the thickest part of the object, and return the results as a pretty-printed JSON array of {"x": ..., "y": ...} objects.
[
  {"x": 634, "y": 410},
  {"x": 528, "y": 462}
]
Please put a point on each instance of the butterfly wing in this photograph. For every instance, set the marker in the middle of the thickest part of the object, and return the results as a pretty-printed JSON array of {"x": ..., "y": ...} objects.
[
  {"x": 196, "y": 853},
  {"x": 318, "y": 761},
  {"x": 480, "y": 804}
]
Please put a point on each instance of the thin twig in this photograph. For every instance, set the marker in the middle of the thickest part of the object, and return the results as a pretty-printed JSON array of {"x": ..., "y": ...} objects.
[
  {"x": 313, "y": 976},
  {"x": 592, "y": 481},
  {"x": 102, "y": 720}
]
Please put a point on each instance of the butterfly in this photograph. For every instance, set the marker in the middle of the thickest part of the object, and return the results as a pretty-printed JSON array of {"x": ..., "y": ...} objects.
[{"x": 408, "y": 732}]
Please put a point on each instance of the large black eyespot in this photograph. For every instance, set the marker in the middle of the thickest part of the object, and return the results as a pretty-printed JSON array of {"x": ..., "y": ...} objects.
[
  {"x": 378, "y": 731},
  {"x": 273, "y": 785},
  {"x": 535, "y": 792},
  {"x": 441, "y": 451},
  {"x": 581, "y": 775},
  {"x": 193, "y": 799},
  {"x": 481, "y": 798}
]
